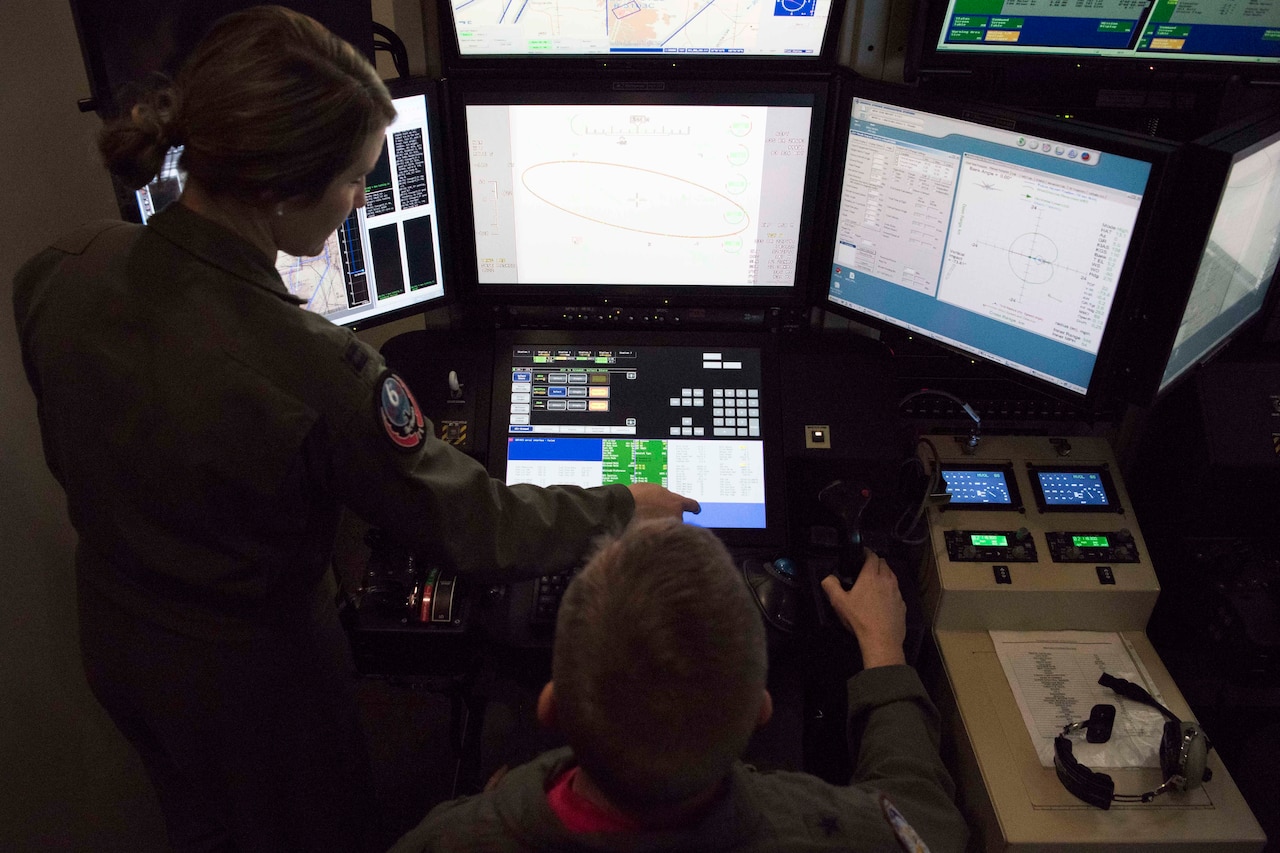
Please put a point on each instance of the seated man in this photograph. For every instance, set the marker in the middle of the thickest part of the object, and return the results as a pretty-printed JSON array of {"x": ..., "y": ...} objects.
[{"x": 658, "y": 680}]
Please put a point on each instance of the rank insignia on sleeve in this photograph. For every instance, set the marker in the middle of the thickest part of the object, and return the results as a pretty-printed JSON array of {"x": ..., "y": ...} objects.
[
  {"x": 399, "y": 414},
  {"x": 907, "y": 837}
]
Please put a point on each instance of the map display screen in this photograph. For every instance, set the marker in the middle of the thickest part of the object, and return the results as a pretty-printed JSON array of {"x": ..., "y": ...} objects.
[
  {"x": 755, "y": 28},
  {"x": 385, "y": 258}
]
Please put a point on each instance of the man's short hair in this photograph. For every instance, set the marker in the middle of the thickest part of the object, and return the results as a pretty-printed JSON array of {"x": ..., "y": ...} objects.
[{"x": 659, "y": 665}]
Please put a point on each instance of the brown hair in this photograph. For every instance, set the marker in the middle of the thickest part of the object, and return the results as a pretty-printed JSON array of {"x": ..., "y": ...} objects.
[
  {"x": 659, "y": 664},
  {"x": 270, "y": 105}
]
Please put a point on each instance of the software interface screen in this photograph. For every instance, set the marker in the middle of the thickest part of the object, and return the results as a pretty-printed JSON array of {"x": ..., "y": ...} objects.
[
  {"x": 1072, "y": 488},
  {"x": 1238, "y": 263},
  {"x": 968, "y": 486},
  {"x": 638, "y": 194},
  {"x": 1147, "y": 29},
  {"x": 622, "y": 27},
  {"x": 1001, "y": 244},
  {"x": 687, "y": 418},
  {"x": 385, "y": 256}
]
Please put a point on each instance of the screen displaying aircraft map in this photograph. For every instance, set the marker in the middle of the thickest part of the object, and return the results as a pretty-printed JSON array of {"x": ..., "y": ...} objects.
[{"x": 593, "y": 27}]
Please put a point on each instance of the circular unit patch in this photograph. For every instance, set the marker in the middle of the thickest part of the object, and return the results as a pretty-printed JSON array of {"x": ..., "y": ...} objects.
[{"x": 399, "y": 413}]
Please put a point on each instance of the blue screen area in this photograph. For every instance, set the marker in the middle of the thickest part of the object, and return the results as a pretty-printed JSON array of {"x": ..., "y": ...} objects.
[
  {"x": 1160, "y": 29},
  {"x": 562, "y": 451},
  {"x": 687, "y": 418},
  {"x": 1002, "y": 244},
  {"x": 1072, "y": 488},
  {"x": 977, "y": 487}
]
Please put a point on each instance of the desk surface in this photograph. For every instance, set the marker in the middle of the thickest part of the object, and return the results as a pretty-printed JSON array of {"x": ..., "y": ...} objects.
[{"x": 1019, "y": 805}]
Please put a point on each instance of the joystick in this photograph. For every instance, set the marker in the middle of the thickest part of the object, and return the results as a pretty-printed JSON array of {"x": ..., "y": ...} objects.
[{"x": 847, "y": 503}]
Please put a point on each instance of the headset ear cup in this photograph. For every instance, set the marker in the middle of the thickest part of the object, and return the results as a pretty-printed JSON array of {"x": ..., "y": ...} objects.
[{"x": 1184, "y": 753}]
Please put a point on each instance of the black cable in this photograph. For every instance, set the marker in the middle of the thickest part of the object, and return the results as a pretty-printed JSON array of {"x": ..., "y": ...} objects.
[
  {"x": 393, "y": 45},
  {"x": 902, "y": 530},
  {"x": 974, "y": 433}
]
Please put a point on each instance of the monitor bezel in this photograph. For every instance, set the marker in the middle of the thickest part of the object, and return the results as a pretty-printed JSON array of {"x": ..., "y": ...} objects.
[
  {"x": 461, "y": 92},
  {"x": 774, "y": 534},
  {"x": 351, "y": 21},
  {"x": 1204, "y": 167},
  {"x": 454, "y": 62},
  {"x": 1145, "y": 248}
]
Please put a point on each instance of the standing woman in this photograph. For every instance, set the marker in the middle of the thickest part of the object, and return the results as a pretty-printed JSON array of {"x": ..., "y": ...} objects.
[{"x": 208, "y": 432}]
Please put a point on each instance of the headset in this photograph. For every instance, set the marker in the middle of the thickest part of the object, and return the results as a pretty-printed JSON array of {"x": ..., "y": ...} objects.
[{"x": 1184, "y": 750}]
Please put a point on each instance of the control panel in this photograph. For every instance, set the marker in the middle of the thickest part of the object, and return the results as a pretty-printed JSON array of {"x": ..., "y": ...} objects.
[
  {"x": 1033, "y": 533},
  {"x": 981, "y": 546},
  {"x": 1092, "y": 546}
]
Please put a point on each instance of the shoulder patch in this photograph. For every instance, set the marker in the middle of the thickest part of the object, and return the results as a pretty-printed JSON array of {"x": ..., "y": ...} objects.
[
  {"x": 398, "y": 413},
  {"x": 907, "y": 837}
]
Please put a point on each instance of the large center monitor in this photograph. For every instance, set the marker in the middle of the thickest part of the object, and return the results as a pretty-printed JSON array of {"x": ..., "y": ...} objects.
[
  {"x": 780, "y": 30},
  {"x": 385, "y": 260},
  {"x": 696, "y": 413},
  {"x": 1004, "y": 236},
  {"x": 676, "y": 191},
  {"x": 1238, "y": 33}
]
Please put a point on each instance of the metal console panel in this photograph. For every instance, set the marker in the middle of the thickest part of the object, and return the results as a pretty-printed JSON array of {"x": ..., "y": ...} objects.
[{"x": 1063, "y": 549}]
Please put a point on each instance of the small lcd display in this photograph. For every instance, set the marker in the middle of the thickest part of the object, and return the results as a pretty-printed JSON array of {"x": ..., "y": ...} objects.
[
  {"x": 977, "y": 487},
  {"x": 989, "y": 540},
  {"x": 1097, "y": 541},
  {"x": 1073, "y": 488}
]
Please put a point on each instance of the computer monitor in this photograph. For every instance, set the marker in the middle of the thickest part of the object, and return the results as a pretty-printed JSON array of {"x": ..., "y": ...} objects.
[
  {"x": 384, "y": 261},
  {"x": 695, "y": 412},
  {"x": 1007, "y": 237},
  {"x": 667, "y": 191},
  {"x": 789, "y": 33},
  {"x": 128, "y": 43},
  {"x": 1230, "y": 245},
  {"x": 1158, "y": 31}
]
